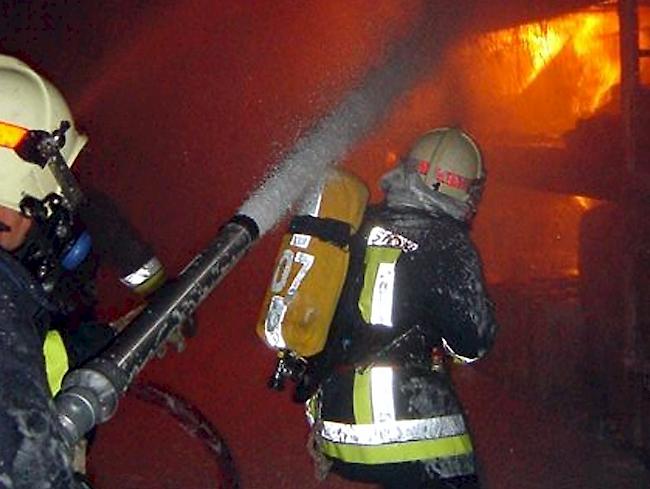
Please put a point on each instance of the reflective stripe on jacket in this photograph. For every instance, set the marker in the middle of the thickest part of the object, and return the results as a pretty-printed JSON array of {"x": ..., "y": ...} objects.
[
  {"x": 145, "y": 279},
  {"x": 56, "y": 360},
  {"x": 414, "y": 282},
  {"x": 381, "y": 415}
]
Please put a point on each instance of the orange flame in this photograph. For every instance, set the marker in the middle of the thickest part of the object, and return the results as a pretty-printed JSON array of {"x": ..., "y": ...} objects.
[
  {"x": 561, "y": 69},
  {"x": 585, "y": 203},
  {"x": 589, "y": 35}
]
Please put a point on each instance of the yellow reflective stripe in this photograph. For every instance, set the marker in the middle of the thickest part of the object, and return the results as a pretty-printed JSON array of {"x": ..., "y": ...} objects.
[
  {"x": 375, "y": 255},
  {"x": 312, "y": 408},
  {"x": 399, "y": 452},
  {"x": 56, "y": 360},
  {"x": 361, "y": 397}
]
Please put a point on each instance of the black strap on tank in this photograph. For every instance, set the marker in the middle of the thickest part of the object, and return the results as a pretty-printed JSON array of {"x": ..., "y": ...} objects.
[{"x": 325, "y": 228}]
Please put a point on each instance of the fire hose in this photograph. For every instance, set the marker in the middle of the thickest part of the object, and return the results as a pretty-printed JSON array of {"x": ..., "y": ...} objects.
[
  {"x": 90, "y": 394},
  {"x": 192, "y": 421}
]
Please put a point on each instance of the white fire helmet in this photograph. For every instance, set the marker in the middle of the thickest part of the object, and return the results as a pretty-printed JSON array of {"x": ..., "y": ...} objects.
[
  {"x": 449, "y": 161},
  {"x": 29, "y": 101}
]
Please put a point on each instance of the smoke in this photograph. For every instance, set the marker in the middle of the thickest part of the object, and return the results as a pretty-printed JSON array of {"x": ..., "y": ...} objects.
[{"x": 347, "y": 124}]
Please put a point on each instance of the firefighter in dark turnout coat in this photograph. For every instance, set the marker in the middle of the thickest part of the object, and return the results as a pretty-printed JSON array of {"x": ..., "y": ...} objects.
[
  {"x": 47, "y": 273},
  {"x": 385, "y": 410}
]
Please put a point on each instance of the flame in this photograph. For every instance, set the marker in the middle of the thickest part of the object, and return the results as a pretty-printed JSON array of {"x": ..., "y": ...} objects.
[
  {"x": 590, "y": 36},
  {"x": 592, "y": 43},
  {"x": 560, "y": 69},
  {"x": 585, "y": 202},
  {"x": 542, "y": 43}
]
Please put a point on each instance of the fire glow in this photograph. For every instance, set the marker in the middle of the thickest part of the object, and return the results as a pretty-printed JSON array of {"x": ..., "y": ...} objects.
[
  {"x": 585, "y": 203},
  {"x": 591, "y": 37},
  {"x": 551, "y": 73}
]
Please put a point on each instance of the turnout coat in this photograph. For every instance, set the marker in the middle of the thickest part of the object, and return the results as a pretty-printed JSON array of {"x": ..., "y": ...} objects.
[{"x": 414, "y": 289}]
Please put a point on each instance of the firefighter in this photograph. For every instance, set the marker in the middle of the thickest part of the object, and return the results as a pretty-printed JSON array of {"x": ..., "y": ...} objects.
[
  {"x": 379, "y": 397},
  {"x": 47, "y": 266},
  {"x": 33, "y": 452}
]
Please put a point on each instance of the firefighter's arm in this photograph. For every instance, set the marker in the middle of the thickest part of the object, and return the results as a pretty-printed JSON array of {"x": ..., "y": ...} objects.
[
  {"x": 119, "y": 245},
  {"x": 466, "y": 318},
  {"x": 32, "y": 450}
]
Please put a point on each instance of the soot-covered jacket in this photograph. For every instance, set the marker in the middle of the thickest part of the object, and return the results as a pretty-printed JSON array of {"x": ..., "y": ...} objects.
[
  {"x": 32, "y": 451},
  {"x": 439, "y": 297},
  {"x": 414, "y": 284}
]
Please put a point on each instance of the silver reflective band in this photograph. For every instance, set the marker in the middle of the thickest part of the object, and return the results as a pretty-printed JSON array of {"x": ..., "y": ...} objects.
[
  {"x": 451, "y": 352},
  {"x": 381, "y": 311},
  {"x": 273, "y": 322},
  {"x": 381, "y": 393},
  {"x": 379, "y": 236},
  {"x": 395, "y": 431},
  {"x": 144, "y": 273}
]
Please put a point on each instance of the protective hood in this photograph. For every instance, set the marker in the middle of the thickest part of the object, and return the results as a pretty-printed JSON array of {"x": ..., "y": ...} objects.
[{"x": 404, "y": 187}]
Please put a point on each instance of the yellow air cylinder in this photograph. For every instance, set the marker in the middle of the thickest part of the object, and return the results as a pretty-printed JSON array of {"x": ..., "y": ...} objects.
[{"x": 311, "y": 266}]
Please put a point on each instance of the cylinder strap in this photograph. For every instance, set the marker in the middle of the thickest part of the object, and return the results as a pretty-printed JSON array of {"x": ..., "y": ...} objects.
[{"x": 325, "y": 228}]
